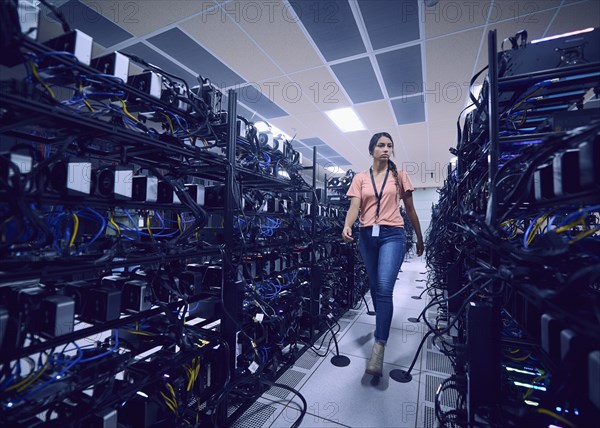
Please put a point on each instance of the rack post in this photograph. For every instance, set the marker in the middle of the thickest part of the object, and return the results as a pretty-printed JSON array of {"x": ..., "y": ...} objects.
[
  {"x": 231, "y": 296},
  {"x": 493, "y": 125}
]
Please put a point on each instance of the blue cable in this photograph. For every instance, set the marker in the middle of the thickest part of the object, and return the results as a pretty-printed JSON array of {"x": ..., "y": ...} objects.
[
  {"x": 568, "y": 219},
  {"x": 267, "y": 161},
  {"x": 529, "y": 229},
  {"x": 56, "y": 377},
  {"x": 104, "y": 354},
  {"x": 100, "y": 230},
  {"x": 137, "y": 229}
]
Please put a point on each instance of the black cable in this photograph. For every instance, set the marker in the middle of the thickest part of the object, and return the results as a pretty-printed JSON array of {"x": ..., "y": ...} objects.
[
  {"x": 65, "y": 25},
  {"x": 298, "y": 421}
]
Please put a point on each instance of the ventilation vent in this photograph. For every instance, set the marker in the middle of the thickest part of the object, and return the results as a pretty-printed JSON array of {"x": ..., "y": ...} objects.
[
  {"x": 307, "y": 360},
  {"x": 429, "y": 417},
  {"x": 438, "y": 363},
  {"x": 231, "y": 409},
  {"x": 448, "y": 398},
  {"x": 255, "y": 417},
  {"x": 290, "y": 378}
]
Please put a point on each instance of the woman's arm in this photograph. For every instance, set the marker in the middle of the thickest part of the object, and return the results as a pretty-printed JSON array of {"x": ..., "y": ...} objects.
[
  {"x": 351, "y": 217},
  {"x": 411, "y": 213}
]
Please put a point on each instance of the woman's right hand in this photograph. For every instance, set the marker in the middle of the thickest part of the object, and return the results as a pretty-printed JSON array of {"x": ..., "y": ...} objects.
[{"x": 347, "y": 234}]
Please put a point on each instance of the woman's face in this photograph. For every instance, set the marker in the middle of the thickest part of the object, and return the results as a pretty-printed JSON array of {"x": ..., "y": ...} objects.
[{"x": 384, "y": 148}]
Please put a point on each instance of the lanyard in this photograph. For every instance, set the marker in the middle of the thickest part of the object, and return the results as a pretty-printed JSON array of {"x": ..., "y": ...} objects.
[{"x": 380, "y": 194}]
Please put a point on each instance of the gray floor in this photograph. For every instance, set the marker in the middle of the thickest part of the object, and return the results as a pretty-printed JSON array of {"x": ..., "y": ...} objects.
[{"x": 346, "y": 396}]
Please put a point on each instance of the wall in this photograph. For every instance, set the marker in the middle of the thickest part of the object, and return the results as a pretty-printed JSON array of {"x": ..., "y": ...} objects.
[{"x": 423, "y": 198}]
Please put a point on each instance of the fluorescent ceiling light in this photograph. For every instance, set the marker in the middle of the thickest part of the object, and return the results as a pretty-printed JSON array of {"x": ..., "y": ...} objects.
[
  {"x": 334, "y": 169},
  {"x": 558, "y": 36},
  {"x": 346, "y": 119}
]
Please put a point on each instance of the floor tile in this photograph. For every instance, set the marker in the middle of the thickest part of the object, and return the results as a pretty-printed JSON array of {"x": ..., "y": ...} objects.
[
  {"x": 399, "y": 319},
  {"x": 349, "y": 397},
  {"x": 402, "y": 343},
  {"x": 262, "y": 413}
]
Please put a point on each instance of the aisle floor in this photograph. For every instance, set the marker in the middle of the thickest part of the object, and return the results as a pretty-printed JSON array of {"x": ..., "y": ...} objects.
[{"x": 346, "y": 396}]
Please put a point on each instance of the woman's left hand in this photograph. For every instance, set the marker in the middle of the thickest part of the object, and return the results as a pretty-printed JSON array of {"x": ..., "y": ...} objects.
[{"x": 420, "y": 247}]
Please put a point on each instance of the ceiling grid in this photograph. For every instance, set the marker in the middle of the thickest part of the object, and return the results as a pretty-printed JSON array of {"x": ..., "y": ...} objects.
[{"x": 361, "y": 48}]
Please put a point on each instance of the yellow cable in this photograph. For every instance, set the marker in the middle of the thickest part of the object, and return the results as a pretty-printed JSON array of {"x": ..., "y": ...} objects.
[
  {"x": 36, "y": 377},
  {"x": 169, "y": 402},
  {"x": 577, "y": 222},
  {"x": 173, "y": 394},
  {"x": 116, "y": 226},
  {"x": 127, "y": 111},
  {"x": 89, "y": 106},
  {"x": 583, "y": 235},
  {"x": 557, "y": 417},
  {"x": 24, "y": 384},
  {"x": 148, "y": 225},
  {"x": 75, "y": 229},
  {"x": 169, "y": 121},
  {"x": 508, "y": 112},
  {"x": 37, "y": 76},
  {"x": 535, "y": 228},
  {"x": 520, "y": 358},
  {"x": 179, "y": 223},
  {"x": 141, "y": 333}
]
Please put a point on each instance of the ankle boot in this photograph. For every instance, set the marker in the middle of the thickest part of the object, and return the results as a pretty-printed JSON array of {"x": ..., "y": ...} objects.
[{"x": 375, "y": 366}]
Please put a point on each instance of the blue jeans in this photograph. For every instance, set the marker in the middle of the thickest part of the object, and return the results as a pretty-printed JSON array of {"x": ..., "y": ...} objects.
[{"x": 383, "y": 256}]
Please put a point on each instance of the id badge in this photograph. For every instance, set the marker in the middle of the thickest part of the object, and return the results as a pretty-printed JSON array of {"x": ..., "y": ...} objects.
[{"x": 375, "y": 232}]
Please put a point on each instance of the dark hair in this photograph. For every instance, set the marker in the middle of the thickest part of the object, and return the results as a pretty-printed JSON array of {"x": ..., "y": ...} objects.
[{"x": 391, "y": 165}]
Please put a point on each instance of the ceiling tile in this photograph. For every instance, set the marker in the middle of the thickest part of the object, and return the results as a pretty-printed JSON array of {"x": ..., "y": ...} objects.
[
  {"x": 288, "y": 124},
  {"x": 449, "y": 74},
  {"x": 536, "y": 26},
  {"x": 522, "y": 13},
  {"x": 256, "y": 100},
  {"x": 316, "y": 120},
  {"x": 187, "y": 51},
  {"x": 377, "y": 116},
  {"x": 150, "y": 55},
  {"x": 332, "y": 27},
  {"x": 450, "y": 17},
  {"x": 307, "y": 152},
  {"x": 319, "y": 86},
  {"x": 576, "y": 17},
  {"x": 360, "y": 139},
  {"x": 313, "y": 141},
  {"x": 287, "y": 94},
  {"x": 390, "y": 22},
  {"x": 409, "y": 109},
  {"x": 340, "y": 161},
  {"x": 401, "y": 71},
  {"x": 144, "y": 17},
  {"x": 359, "y": 80},
  {"x": 90, "y": 20},
  {"x": 327, "y": 151},
  {"x": 217, "y": 31},
  {"x": 274, "y": 25}
]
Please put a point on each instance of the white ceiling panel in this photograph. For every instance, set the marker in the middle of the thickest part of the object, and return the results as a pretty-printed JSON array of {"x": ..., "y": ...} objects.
[
  {"x": 575, "y": 17},
  {"x": 292, "y": 59}
]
